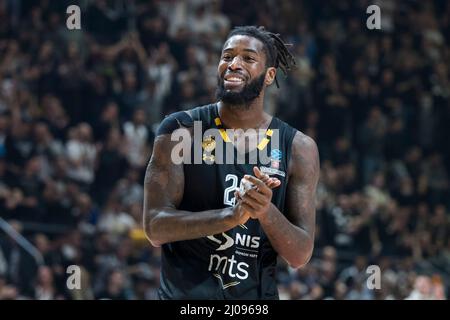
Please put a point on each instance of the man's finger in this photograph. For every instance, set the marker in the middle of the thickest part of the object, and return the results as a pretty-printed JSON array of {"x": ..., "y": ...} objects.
[
  {"x": 276, "y": 184},
  {"x": 257, "y": 172},
  {"x": 256, "y": 196},
  {"x": 260, "y": 175},
  {"x": 259, "y": 184},
  {"x": 265, "y": 178},
  {"x": 273, "y": 183},
  {"x": 251, "y": 203}
]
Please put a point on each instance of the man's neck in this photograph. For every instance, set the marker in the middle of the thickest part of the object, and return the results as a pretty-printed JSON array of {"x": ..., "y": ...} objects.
[{"x": 244, "y": 117}]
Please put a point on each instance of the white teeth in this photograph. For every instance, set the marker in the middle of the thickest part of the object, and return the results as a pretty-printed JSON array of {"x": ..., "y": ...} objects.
[{"x": 234, "y": 80}]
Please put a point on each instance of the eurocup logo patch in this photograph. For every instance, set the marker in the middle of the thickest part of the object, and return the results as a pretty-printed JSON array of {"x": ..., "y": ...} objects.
[{"x": 275, "y": 158}]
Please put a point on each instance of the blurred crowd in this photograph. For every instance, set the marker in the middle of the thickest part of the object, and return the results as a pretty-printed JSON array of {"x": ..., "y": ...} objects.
[{"x": 79, "y": 110}]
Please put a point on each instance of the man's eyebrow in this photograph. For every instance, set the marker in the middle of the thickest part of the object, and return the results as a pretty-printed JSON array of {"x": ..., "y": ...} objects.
[{"x": 246, "y": 49}]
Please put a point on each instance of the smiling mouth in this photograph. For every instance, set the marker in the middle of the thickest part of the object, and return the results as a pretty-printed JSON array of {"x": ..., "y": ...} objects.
[{"x": 232, "y": 80}]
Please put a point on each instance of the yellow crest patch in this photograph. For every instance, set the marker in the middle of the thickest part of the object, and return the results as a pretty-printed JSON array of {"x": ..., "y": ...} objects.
[{"x": 209, "y": 144}]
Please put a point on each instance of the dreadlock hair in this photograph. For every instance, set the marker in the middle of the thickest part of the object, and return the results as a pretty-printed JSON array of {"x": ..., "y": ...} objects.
[{"x": 276, "y": 50}]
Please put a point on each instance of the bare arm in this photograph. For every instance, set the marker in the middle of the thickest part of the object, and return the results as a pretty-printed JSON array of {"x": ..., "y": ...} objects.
[
  {"x": 163, "y": 192},
  {"x": 292, "y": 234}
]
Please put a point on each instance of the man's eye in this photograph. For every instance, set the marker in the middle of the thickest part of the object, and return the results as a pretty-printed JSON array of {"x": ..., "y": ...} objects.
[
  {"x": 226, "y": 57},
  {"x": 248, "y": 58}
]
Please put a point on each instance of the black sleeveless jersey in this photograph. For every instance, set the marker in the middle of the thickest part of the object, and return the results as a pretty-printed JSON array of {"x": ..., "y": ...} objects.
[{"x": 239, "y": 263}]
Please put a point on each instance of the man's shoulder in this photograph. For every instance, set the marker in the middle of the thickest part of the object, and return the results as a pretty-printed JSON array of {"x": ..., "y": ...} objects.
[
  {"x": 303, "y": 142},
  {"x": 184, "y": 118},
  {"x": 192, "y": 111},
  {"x": 197, "y": 112},
  {"x": 304, "y": 151}
]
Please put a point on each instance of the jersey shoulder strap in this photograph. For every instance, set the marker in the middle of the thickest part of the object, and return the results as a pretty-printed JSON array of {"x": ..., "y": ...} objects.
[
  {"x": 203, "y": 113},
  {"x": 175, "y": 121}
]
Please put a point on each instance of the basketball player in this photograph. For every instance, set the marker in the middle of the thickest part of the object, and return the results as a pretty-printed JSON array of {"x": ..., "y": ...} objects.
[{"x": 218, "y": 243}]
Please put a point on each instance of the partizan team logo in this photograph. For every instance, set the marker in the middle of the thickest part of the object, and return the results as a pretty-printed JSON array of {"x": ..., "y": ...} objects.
[{"x": 208, "y": 145}]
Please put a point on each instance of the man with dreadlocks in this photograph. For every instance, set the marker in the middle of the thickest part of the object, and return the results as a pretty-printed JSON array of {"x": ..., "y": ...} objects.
[{"x": 220, "y": 241}]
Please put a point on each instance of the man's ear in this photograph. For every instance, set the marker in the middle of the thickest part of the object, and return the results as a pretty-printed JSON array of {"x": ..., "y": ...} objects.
[{"x": 270, "y": 76}]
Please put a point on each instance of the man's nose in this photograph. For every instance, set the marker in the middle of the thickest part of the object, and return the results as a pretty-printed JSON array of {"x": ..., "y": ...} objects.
[{"x": 235, "y": 64}]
